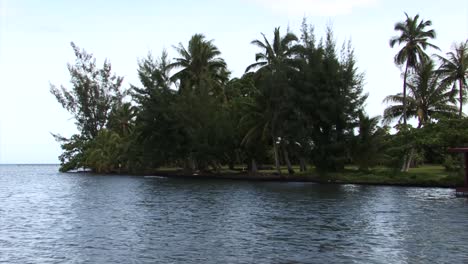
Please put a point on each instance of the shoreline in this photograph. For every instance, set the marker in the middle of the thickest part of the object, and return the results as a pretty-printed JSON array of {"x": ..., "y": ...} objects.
[
  {"x": 303, "y": 179},
  {"x": 417, "y": 180}
]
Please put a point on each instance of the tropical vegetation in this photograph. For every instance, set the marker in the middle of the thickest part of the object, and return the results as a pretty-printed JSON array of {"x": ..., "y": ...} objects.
[{"x": 301, "y": 101}]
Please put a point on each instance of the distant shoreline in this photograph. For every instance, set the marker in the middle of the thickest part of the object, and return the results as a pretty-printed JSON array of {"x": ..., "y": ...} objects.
[
  {"x": 343, "y": 178},
  {"x": 266, "y": 177}
]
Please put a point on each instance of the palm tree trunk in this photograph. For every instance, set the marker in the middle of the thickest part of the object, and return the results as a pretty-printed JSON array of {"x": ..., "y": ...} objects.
[
  {"x": 410, "y": 160},
  {"x": 303, "y": 166},
  {"x": 254, "y": 168},
  {"x": 403, "y": 166},
  {"x": 288, "y": 162},
  {"x": 404, "y": 93},
  {"x": 406, "y": 157},
  {"x": 460, "y": 114},
  {"x": 190, "y": 165},
  {"x": 275, "y": 150}
]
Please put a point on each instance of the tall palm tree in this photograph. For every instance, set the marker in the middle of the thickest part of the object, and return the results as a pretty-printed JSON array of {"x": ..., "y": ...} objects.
[
  {"x": 428, "y": 97},
  {"x": 275, "y": 57},
  {"x": 200, "y": 65},
  {"x": 274, "y": 63},
  {"x": 454, "y": 68},
  {"x": 414, "y": 36}
]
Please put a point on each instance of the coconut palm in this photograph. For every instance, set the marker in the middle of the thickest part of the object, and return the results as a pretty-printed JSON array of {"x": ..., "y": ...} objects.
[
  {"x": 414, "y": 35},
  {"x": 255, "y": 121},
  {"x": 274, "y": 63},
  {"x": 122, "y": 119},
  {"x": 201, "y": 66},
  {"x": 367, "y": 145},
  {"x": 428, "y": 97},
  {"x": 454, "y": 69},
  {"x": 277, "y": 56}
]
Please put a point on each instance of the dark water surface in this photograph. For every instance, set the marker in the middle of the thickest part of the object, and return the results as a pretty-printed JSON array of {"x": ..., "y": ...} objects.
[{"x": 48, "y": 217}]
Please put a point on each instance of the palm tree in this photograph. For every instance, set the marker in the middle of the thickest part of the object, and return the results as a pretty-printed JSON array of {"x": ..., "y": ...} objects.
[
  {"x": 256, "y": 122},
  {"x": 455, "y": 69},
  {"x": 428, "y": 97},
  {"x": 274, "y": 58},
  {"x": 367, "y": 146},
  {"x": 414, "y": 36},
  {"x": 274, "y": 63},
  {"x": 104, "y": 153},
  {"x": 200, "y": 65},
  {"x": 122, "y": 119}
]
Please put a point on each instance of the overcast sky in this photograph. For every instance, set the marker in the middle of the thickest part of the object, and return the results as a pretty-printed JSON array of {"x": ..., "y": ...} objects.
[{"x": 35, "y": 37}]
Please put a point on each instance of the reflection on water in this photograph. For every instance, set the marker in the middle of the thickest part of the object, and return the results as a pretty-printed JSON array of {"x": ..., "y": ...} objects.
[{"x": 48, "y": 217}]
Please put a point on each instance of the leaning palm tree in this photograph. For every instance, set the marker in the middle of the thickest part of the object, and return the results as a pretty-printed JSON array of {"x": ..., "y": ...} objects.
[
  {"x": 414, "y": 36},
  {"x": 200, "y": 65},
  {"x": 454, "y": 69},
  {"x": 428, "y": 97},
  {"x": 274, "y": 63}
]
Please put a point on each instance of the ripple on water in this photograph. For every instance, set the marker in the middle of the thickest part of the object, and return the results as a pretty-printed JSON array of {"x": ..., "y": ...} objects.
[{"x": 48, "y": 217}]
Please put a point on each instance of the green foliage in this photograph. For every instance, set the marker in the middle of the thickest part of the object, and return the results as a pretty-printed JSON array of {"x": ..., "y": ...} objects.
[
  {"x": 429, "y": 98},
  {"x": 329, "y": 99},
  {"x": 276, "y": 65},
  {"x": 414, "y": 36},
  {"x": 105, "y": 152},
  {"x": 73, "y": 152},
  {"x": 301, "y": 101},
  {"x": 369, "y": 143},
  {"x": 454, "y": 70},
  {"x": 94, "y": 93},
  {"x": 158, "y": 134},
  {"x": 450, "y": 163},
  {"x": 201, "y": 70}
]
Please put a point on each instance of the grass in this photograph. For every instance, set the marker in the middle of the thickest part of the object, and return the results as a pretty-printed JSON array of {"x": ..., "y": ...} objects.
[{"x": 424, "y": 176}]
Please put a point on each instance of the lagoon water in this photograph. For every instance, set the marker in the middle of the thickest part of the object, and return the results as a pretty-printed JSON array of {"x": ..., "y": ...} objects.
[{"x": 50, "y": 217}]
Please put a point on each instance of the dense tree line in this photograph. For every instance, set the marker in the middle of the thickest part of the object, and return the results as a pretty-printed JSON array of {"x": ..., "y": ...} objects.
[{"x": 301, "y": 101}]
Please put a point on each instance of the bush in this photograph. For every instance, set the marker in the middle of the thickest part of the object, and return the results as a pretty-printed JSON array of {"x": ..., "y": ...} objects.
[{"x": 451, "y": 164}]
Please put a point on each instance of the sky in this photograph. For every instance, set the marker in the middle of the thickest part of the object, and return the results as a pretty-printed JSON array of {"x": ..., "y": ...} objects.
[{"x": 35, "y": 38}]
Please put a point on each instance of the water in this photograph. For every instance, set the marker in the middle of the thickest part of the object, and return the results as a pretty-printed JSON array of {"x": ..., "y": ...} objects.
[{"x": 49, "y": 217}]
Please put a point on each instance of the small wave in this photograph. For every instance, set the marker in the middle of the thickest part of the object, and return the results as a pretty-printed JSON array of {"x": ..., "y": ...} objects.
[{"x": 154, "y": 177}]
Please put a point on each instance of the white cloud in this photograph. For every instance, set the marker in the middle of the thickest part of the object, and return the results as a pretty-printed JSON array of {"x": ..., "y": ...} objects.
[{"x": 314, "y": 7}]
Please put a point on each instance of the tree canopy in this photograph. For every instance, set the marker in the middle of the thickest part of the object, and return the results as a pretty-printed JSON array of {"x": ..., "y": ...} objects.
[{"x": 300, "y": 101}]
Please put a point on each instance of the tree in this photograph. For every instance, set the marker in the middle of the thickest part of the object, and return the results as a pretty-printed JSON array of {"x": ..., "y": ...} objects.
[
  {"x": 368, "y": 144},
  {"x": 276, "y": 57},
  {"x": 201, "y": 68},
  {"x": 105, "y": 153},
  {"x": 122, "y": 118},
  {"x": 329, "y": 98},
  {"x": 454, "y": 69},
  {"x": 428, "y": 97},
  {"x": 255, "y": 123},
  {"x": 414, "y": 36},
  {"x": 275, "y": 64},
  {"x": 94, "y": 93},
  {"x": 198, "y": 107},
  {"x": 160, "y": 136}
]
